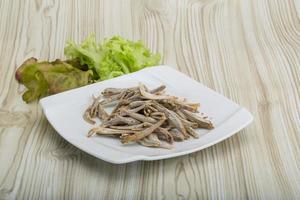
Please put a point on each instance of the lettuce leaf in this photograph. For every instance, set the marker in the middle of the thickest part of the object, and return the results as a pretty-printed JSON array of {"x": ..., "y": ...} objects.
[
  {"x": 88, "y": 62},
  {"x": 46, "y": 78},
  {"x": 115, "y": 57}
]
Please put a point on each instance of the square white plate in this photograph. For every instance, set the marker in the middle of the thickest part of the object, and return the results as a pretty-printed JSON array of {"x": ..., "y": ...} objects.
[{"x": 64, "y": 112}]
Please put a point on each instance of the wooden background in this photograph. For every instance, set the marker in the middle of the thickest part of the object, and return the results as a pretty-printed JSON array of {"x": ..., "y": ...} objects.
[{"x": 248, "y": 50}]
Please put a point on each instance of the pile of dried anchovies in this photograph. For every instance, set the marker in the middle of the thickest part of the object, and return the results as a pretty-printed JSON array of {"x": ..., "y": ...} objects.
[{"x": 148, "y": 117}]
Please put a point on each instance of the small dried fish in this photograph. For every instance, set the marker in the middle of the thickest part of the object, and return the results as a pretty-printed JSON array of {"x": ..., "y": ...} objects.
[
  {"x": 92, "y": 111},
  {"x": 139, "y": 117},
  {"x": 148, "y": 95},
  {"x": 158, "y": 89},
  {"x": 168, "y": 136},
  {"x": 156, "y": 113},
  {"x": 202, "y": 123},
  {"x": 146, "y": 116},
  {"x": 135, "y": 104},
  {"x": 101, "y": 113},
  {"x": 137, "y": 109},
  {"x": 153, "y": 141},
  {"x": 193, "y": 107},
  {"x": 132, "y": 127},
  {"x": 180, "y": 114},
  {"x": 111, "y": 91},
  {"x": 120, "y": 120},
  {"x": 177, "y": 135},
  {"x": 152, "y": 108},
  {"x": 112, "y": 99},
  {"x": 87, "y": 117},
  {"x": 125, "y": 138},
  {"x": 150, "y": 141},
  {"x": 147, "y": 112},
  {"x": 168, "y": 126},
  {"x": 107, "y": 131},
  {"x": 192, "y": 132},
  {"x": 122, "y": 103}
]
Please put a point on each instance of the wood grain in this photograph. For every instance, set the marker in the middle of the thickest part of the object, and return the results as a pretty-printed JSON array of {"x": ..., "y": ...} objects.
[{"x": 247, "y": 50}]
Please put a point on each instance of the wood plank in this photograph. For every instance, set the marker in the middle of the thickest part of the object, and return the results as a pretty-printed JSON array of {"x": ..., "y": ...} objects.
[{"x": 247, "y": 50}]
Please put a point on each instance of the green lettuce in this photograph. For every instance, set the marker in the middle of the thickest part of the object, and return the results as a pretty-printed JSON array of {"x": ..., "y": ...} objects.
[
  {"x": 88, "y": 62},
  {"x": 114, "y": 57},
  {"x": 46, "y": 78}
]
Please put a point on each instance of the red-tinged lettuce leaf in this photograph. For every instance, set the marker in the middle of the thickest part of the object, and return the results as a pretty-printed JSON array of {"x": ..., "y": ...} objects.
[{"x": 46, "y": 78}]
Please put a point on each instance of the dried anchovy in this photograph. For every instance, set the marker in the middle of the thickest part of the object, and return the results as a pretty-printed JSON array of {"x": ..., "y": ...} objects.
[
  {"x": 202, "y": 122},
  {"x": 120, "y": 120},
  {"x": 125, "y": 138},
  {"x": 107, "y": 131},
  {"x": 177, "y": 135},
  {"x": 132, "y": 127},
  {"x": 148, "y": 117},
  {"x": 139, "y": 117},
  {"x": 153, "y": 141},
  {"x": 148, "y": 95},
  {"x": 158, "y": 89},
  {"x": 167, "y": 136}
]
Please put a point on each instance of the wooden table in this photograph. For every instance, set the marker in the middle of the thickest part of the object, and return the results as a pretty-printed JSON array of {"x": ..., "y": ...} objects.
[{"x": 247, "y": 50}]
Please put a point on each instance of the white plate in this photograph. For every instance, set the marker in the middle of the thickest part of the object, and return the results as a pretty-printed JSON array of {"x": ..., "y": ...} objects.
[{"x": 64, "y": 112}]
